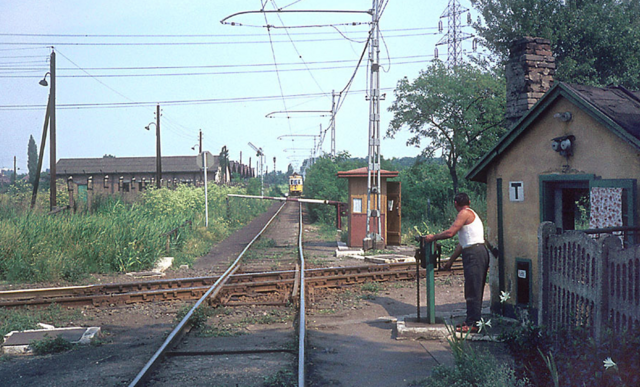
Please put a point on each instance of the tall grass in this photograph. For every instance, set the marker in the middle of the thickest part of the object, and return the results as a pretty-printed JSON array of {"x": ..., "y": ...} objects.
[{"x": 114, "y": 236}]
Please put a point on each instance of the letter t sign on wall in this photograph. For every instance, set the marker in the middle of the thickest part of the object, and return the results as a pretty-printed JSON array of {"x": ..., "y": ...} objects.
[{"x": 516, "y": 191}]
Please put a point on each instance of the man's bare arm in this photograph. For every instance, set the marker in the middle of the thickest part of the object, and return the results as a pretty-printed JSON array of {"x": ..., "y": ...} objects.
[
  {"x": 456, "y": 253},
  {"x": 462, "y": 219}
]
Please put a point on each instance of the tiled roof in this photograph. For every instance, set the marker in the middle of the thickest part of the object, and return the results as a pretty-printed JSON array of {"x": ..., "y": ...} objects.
[
  {"x": 616, "y": 108},
  {"x": 618, "y": 103},
  {"x": 362, "y": 172},
  {"x": 129, "y": 165}
]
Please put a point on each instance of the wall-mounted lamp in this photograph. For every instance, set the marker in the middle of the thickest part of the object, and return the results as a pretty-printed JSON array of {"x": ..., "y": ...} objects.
[
  {"x": 90, "y": 183},
  {"x": 564, "y": 117},
  {"x": 70, "y": 183},
  {"x": 563, "y": 145},
  {"x": 106, "y": 181}
]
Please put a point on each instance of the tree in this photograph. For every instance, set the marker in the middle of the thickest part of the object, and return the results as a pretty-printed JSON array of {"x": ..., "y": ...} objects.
[
  {"x": 224, "y": 163},
  {"x": 595, "y": 42},
  {"x": 321, "y": 182},
  {"x": 108, "y": 156},
  {"x": 459, "y": 111},
  {"x": 32, "y": 159}
]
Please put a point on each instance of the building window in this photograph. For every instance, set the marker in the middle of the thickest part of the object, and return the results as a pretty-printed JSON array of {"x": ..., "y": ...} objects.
[{"x": 357, "y": 205}]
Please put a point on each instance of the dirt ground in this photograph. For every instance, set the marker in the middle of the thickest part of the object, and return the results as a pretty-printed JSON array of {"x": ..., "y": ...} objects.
[{"x": 352, "y": 339}]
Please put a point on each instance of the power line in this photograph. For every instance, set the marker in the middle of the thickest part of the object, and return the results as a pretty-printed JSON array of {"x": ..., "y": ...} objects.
[
  {"x": 275, "y": 62},
  {"x": 92, "y": 76},
  {"x": 151, "y": 68},
  {"x": 298, "y": 52},
  {"x": 172, "y": 102},
  {"x": 44, "y": 45}
]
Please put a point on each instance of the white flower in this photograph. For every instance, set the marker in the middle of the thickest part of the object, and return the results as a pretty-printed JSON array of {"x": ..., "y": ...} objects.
[
  {"x": 504, "y": 296},
  {"x": 481, "y": 324},
  {"x": 608, "y": 363}
]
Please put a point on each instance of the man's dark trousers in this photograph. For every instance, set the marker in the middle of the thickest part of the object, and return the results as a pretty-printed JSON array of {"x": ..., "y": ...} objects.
[{"x": 475, "y": 262}]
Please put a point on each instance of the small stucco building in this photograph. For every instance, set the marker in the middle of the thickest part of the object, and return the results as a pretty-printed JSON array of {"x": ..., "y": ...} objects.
[{"x": 572, "y": 157}]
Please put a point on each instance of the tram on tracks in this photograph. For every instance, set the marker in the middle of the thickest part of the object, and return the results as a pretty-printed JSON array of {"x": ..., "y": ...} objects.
[{"x": 295, "y": 185}]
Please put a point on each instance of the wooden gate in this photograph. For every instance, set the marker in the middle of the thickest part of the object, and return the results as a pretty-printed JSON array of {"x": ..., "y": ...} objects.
[{"x": 587, "y": 282}]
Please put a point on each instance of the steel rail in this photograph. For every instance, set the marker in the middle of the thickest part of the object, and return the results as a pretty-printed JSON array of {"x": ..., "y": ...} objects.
[
  {"x": 302, "y": 336},
  {"x": 180, "y": 329},
  {"x": 194, "y": 288}
]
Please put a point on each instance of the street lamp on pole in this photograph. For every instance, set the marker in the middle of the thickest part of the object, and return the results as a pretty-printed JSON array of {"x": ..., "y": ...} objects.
[{"x": 49, "y": 121}]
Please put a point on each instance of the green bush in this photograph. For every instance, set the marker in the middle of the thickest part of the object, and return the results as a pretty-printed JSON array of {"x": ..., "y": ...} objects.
[
  {"x": 472, "y": 368},
  {"x": 115, "y": 236},
  {"x": 321, "y": 182}
]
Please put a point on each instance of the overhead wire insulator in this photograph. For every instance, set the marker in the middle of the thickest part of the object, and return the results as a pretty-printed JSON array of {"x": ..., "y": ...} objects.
[
  {"x": 474, "y": 44},
  {"x": 435, "y": 53},
  {"x": 440, "y": 28},
  {"x": 469, "y": 21}
]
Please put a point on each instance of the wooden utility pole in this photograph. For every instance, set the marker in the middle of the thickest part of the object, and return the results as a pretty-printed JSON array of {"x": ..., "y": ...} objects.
[
  {"x": 52, "y": 128},
  {"x": 36, "y": 180},
  {"x": 158, "y": 152}
]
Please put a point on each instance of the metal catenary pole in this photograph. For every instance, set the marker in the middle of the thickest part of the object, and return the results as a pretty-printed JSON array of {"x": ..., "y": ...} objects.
[
  {"x": 206, "y": 195},
  {"x": 333, "y": 123},
  {"x": 373, "y": 164}
]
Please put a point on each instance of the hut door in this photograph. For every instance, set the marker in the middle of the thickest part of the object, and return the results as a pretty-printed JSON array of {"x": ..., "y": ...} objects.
[
  {"x": 580, "y": 202},
  {"x": 612, "y": 204},
  {"x": 393, "y": 213}
]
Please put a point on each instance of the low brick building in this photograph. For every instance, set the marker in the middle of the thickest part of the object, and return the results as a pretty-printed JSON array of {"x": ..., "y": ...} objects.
[{"x": 130, "y": 175}]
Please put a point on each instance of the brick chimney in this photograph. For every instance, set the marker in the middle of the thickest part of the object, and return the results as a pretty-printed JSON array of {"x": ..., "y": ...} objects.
[{"x": 529, "y": 74}]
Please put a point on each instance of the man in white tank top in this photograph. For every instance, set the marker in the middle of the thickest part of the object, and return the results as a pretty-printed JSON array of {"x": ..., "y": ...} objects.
[{"x": 475, "y": 258}]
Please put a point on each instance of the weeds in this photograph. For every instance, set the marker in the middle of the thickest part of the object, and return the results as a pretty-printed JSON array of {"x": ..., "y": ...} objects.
[
  {"x": 218, "y": 332},
  {"x": 283, "y": 378},
  {"x": 23, "y": 319},
  {"x": 372, "y": 287},
  {"x": 199, "y": 317},
  {"x": 113, "y": 236},
  {"x": 472, "y": 368},
  {"x": 570, "y": 357},
  {"x": 50, "y": 345}
]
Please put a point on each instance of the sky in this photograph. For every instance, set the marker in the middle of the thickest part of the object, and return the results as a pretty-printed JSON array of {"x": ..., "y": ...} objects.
[{"x": 239, "y": 84}]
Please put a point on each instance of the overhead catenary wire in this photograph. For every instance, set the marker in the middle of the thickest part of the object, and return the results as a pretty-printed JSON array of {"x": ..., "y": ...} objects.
[
  {"x": 169, "y": 102},
  {"x": 418, "y": 59},
  {"x": 298, "y": 52},
  {"x": 184, "y": 74},
  {"x": 105, "y": 44},
  {"x": 153, "y": 36},
  {"x": 48, "y": 44}
]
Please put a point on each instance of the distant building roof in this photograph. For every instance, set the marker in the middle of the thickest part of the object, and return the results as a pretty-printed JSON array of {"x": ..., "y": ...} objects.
[
  {"x": 362, "y": 172},
  {"x": 129, "y": 165}
]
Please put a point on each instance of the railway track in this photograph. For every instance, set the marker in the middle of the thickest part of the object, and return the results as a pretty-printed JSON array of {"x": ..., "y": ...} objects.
[
  {"x": 279, "y": 289},
  {"x": 239, "y": 287},
  {"x": 159, "y": 371}
]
